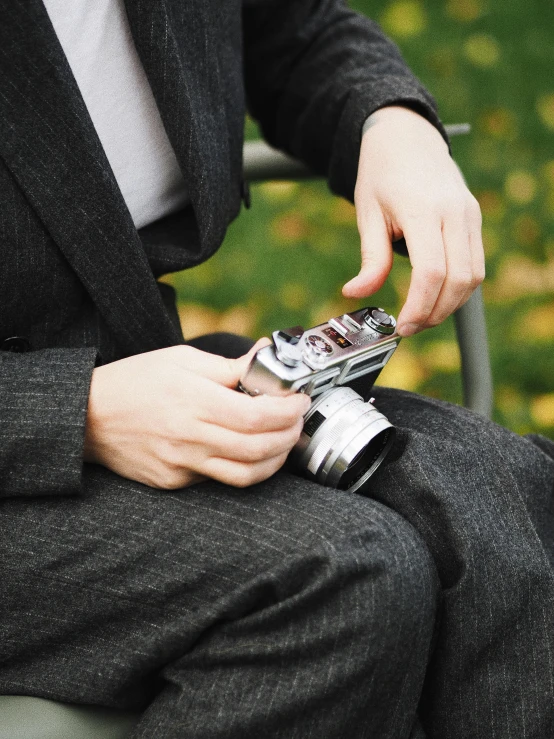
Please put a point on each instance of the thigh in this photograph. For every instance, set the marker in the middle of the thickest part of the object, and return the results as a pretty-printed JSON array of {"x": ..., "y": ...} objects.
[
  {"x": 447, "y": 453},
  {"x": 482, "y": 499},
  {"x": 102, "y": 592}
]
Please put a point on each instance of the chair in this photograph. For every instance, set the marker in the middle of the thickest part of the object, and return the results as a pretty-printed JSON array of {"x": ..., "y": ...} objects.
[{"x": 25, "y": 717}]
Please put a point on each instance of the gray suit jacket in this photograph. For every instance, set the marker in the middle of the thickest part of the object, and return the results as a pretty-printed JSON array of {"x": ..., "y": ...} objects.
[{"x": 76, "y": 278}]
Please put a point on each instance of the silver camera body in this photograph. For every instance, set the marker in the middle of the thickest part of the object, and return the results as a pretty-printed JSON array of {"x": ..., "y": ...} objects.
[{"x": 344, "y": 439}]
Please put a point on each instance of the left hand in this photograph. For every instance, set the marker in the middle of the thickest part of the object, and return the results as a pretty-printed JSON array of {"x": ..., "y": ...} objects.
[{"x": 408, "y": 185}]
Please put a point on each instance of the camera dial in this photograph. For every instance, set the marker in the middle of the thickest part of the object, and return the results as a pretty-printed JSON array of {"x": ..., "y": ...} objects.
[
  {"x": 286, "y": 346},
  {"x": 316, "y": 348},
  {"x": 379, "y": 320}
]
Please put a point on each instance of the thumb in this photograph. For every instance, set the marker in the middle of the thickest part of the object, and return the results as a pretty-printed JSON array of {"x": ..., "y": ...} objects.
[
  {"x": 224, "y": 371},
  {"x": 242, "y": 363},
  {"x": 376, "y": 248}
]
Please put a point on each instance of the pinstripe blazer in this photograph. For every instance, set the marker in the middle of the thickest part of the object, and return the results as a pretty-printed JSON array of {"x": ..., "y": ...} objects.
[{"x": 76, "y": 279}]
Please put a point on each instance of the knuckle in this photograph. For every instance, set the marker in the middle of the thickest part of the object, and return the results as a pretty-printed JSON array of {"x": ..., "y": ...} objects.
[
  {"x": 253, "y": 418},
  {"x": 247, "y": 475},
  {"x": 478, "y": 276},
  {"x": 169, "y": 477},
  {"x": 434, "y": 274},
  {"x": 243, "y": 477},
  {"x": 297, "y": 430},
  {"x": 418, "y": 315},
  {"x": 258, "y": 449},
  {"x": 174, "y": 457},
  {"x": 434, "y": 320},
  {"x": 182, "y": 351},
  {"x": 172, "y": 430},
  {"x": 474, "y": 210},
  {"x": 279, "y": 462},
  {"x": 461, "y": 281},
  {"x": 450, "y": 202},
  {"x": 296, "y": 415}
]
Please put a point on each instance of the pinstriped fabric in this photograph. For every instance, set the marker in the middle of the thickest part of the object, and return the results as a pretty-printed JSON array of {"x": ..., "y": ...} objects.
[
  {"x": 31, "y": 303},
  {"x": 50, "y": 146},
  {"x": 42, "y": 421},
  {"x": 289, "y": 610},
  {"x": 281, "y": 611},
  {"x": 334, "y": 87},
  {"x": 489, "y": 524}
]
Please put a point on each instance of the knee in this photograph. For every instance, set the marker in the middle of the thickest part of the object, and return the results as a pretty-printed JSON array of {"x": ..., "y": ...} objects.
[
  {"x": 384, "y": 579},
  {"x": 403, "y": 578},
  {"x": 376, "y": 593}
]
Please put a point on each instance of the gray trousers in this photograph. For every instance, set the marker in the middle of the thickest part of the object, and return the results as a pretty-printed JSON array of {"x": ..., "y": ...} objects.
[{"x": 288, "y": 610}]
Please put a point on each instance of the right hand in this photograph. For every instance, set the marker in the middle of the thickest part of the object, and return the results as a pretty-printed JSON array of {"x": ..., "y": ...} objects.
[{"x": 172, "y": 417}]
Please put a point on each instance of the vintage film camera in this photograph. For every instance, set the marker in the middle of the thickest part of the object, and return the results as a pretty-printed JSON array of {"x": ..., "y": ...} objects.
[{"x": 344, "y": 439}]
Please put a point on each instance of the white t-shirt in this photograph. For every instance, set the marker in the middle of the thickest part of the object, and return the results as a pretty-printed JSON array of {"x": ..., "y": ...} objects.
[{"x": 97, "y": 42}]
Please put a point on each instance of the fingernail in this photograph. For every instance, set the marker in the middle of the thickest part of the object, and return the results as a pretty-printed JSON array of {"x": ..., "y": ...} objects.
[{"x": 408, "y": 329}]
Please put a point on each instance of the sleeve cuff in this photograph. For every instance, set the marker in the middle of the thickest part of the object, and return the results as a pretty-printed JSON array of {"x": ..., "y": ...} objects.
[
  {"x": 363, "y": 100},
  {"x": 43, "y": 408}
]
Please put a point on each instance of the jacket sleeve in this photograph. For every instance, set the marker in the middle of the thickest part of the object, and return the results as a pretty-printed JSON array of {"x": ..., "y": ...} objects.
[
  {"x": 314, "y": 71},
  {"x": 43, "y": 406}
]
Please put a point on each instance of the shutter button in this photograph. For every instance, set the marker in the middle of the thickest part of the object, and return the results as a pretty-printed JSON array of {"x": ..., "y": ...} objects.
[{"x": 15, "y": 344}]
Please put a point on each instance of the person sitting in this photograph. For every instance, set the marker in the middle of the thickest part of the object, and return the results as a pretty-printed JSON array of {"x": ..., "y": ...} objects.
[{"x": 155, "y": 555}]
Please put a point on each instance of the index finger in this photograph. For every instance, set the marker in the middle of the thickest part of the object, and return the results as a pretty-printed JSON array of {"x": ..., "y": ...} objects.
[
  {"x": 427, "y": 256},
  {"x": 215, "y": 367},
  {"x": 237, "y": 411}
]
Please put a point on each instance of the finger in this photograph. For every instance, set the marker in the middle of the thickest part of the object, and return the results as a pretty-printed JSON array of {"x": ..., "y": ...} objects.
[
  {"x": 253, "y": 415},
  {"x": 472, "y": 272},
  {"x": 225, "y": 371},
  {"x": 242, "y": 363},
  {"x": 241, "y": 474},
  {"x": 163, "y": 477},
  {"x": 264, "y": 341},
  {"x": 476, "y": 243},
  {"x": 228, "y": 444},
  {"x": 458, "y": 282},
  {"x": 222, "y": 370},
  {"x": 427, "y": 256},
  {"x": 213, "y": 367},
  {"x": 377, "y": 255}
]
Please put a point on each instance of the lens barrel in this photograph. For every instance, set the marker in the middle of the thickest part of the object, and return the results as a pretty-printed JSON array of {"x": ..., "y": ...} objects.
[{"x": 344, "y": 440}]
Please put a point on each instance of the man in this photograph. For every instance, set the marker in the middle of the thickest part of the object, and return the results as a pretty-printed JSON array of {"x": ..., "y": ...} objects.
[{"x": 182, "y": 573}]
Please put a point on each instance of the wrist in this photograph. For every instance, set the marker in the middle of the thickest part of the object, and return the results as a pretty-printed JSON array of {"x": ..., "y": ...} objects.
[
  {"x": 397, "y": 121},
  {"x": 397, "y": 114},
  {"x": 93, "y": 421}
]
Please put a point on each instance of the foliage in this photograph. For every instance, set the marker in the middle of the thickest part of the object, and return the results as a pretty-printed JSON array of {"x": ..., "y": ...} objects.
[{"x": 284, "y": 261}]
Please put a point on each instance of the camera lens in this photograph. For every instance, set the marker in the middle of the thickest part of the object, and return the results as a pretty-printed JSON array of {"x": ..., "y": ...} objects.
[
  {"x": 366, "y": 458},
  {"x": 344, "y": 440}
]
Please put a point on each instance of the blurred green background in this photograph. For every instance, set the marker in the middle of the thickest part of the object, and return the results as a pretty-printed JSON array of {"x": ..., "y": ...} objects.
[{"x": 285, "y": 260}]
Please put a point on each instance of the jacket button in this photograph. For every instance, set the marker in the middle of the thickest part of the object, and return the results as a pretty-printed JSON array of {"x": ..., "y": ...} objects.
[
  {"x": 245, "y": 193},
  {"x": 15, "y": 344}
]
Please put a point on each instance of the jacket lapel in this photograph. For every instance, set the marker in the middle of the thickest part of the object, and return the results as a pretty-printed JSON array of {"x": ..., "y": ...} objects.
[
  {"x": 176, "y": 43},
  {"x": 50, "y": 145}
]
